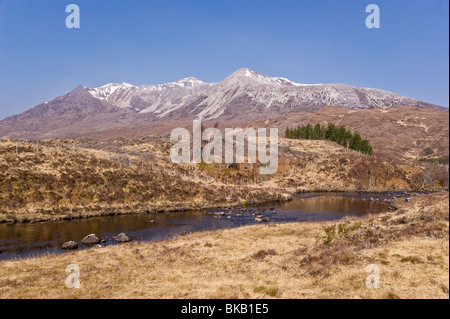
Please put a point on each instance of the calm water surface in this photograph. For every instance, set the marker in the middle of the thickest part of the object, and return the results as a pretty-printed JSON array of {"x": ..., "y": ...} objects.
[{"x": 25, "y": 240}]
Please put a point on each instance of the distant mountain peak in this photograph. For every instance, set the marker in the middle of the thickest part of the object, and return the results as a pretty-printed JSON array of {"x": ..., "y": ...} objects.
[
  {"x": 122, "y": 84},
  {"x": 245, "y": 72},
  {"x": 109, "y": 91},
  {"x": 187, "y": 82},
  {"x": 248, "y": 75},
  {"x": 79, "y": 88},
  {"x": 245, "y": 94}
]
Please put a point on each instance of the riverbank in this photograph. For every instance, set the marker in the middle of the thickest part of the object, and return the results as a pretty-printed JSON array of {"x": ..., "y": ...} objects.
[
  {"x": 24, "y": 240},
  {"x": 55, "y": 215},
  {"x": 297, "y": 260},
  {"x": 68, "y": 179}
]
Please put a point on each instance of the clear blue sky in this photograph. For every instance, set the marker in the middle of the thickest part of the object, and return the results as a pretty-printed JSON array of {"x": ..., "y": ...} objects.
[{"x": 155, "y": 41}]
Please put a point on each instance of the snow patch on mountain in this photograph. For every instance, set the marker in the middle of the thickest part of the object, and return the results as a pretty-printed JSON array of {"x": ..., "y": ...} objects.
[{"x": 242, "y": 90}]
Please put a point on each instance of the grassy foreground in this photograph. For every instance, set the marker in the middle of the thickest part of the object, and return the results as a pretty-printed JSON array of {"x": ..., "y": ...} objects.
[{"x": 298, "y": 260}]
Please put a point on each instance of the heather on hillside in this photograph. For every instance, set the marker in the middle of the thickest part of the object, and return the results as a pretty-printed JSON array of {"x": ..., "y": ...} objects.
[{"x": 333, "y": 133}]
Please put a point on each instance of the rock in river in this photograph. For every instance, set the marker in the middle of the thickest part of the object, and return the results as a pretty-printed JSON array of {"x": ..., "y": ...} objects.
[
  {"x": 122, "y": 238},
  {"x": 90, "y": 240},
  {"x": 70, "y": 245}
]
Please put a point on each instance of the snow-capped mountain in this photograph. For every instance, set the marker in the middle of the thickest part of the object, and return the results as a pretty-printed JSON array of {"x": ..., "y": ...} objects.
[
  {"x": 245, "y": 94},
  {"x": 244, "y": 88}
]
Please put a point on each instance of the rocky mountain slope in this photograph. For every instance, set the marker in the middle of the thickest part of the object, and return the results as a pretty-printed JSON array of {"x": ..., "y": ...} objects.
[{"x": 243, "y": 96}]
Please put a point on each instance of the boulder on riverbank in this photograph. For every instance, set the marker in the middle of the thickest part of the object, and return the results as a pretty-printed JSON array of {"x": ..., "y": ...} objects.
[
  {"x": 122, "y": 238},
  {"x": 70, "y": 245},
  {"x": 219, "y": 213},
  {"x": 91, "y": 239}
]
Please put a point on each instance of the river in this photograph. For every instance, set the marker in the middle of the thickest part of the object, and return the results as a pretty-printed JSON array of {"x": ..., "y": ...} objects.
[{"x": 21, "y": 240}]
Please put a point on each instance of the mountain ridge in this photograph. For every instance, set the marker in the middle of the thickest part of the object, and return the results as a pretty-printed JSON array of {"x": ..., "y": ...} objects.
[{"x": 244, "y": 93}]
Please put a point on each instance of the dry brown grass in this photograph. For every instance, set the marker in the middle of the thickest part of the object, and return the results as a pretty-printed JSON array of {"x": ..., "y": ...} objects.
[
  {"x": 410, "y": 246},
  {"x": 108, "y": 177},
  {"x": 81, "y": 178},
  {"x": 402, "y": 132}
]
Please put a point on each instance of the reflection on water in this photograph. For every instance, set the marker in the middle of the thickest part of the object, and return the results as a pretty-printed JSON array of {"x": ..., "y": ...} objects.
[
  {"x": 22, "y": 240},
  {"x": 329, "y": 207}
]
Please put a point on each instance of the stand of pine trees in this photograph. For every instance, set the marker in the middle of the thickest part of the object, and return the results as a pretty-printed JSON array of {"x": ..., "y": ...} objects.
[{"x": 332, "y": 133}]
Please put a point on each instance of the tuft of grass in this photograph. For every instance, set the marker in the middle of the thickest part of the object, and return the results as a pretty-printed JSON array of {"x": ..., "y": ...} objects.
[
  {"x": 440, "y": 160},
  {"x": 330, "y": 232},
  {"x": 346, "y": 258},
  {"x": 445, "y": 289},
  {"x": 344, "y": 229},
  {"x": 269, "y": 291},
  {"x": 412, "y": 259},
  {"x": 391, "y": 295},
  {"x": 263, "y": 253}
]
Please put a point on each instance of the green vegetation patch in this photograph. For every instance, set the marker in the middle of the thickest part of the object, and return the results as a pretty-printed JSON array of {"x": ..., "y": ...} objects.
[{"x": 332, "y": 133}]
